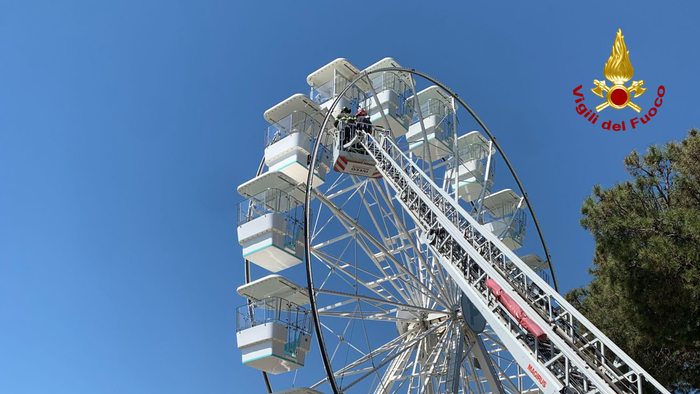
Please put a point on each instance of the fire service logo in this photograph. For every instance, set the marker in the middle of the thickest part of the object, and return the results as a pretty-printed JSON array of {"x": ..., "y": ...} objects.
[{"x": 618, "y": 70}]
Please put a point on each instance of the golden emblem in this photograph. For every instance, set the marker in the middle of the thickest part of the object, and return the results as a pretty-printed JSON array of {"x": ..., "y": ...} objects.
[{"x": 618, "y": 70}]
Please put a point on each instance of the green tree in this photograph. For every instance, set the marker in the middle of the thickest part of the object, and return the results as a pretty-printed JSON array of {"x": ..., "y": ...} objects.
[{"x": 645, "y": 294}]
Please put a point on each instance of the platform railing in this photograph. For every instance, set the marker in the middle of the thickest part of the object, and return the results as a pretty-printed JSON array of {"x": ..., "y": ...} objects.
[
  {"x": 392, "y": 81},
  {"x": 274, "y": 310},
  {"x": 296, "y": 122},
  {"x": 270, "y": 201},
  {"x": 330, "y": 89},
  {"x": 431, "y": 107}
]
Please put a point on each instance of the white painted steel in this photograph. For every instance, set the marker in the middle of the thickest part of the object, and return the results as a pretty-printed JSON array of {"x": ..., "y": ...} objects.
[
  {"x": 272, "y": 180},
  {"x": 291, "y": 154},
  {"x": 274, "y": 286},
  {"x": 263, "y": 348},
  {"x": 264, "y": 243},
  {"x": 298, "y": 102}
]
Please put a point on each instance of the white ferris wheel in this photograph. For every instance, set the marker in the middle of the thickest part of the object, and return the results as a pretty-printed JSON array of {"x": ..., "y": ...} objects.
[{"x": 400, "y": 255}]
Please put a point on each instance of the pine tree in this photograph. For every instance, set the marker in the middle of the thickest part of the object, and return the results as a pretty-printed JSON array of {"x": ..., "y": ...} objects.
[{"x": 645, "y": 294}]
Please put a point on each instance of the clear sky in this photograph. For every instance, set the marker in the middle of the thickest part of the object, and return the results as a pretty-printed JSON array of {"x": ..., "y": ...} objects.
[{"x": 126, "y": 126}]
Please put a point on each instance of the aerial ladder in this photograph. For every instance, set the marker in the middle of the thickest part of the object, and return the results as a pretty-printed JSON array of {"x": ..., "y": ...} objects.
[{"x": 572, "y": 356}]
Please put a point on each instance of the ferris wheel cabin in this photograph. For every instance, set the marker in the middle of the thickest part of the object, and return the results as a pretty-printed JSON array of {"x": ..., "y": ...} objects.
[
  {"x": 535, "y": 262},
  {"x": 505, "y": 217},
  {"x": 274, "y": 331},
  {"x": 474, "y": 151},
  {"x": 273, "y": 334},
  {"x": 329, "y": 81},
  {"x": 295, "y": 124},
  {"x": 270, "y": 227},
  {"x": 391, "y": 107},
  {"x": 438, "y": 117},
  {"x": 539, "y": 265}
]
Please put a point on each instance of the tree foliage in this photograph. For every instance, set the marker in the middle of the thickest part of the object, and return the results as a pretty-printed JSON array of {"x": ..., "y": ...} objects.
[{"x": 645, "y": 294}]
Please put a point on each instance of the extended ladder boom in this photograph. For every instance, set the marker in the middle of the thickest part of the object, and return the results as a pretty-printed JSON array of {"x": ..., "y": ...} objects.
[{"x": 575, "y": 355}]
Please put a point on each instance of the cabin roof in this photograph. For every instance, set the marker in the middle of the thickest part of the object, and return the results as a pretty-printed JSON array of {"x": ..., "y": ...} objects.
[
  {"x": 473, "y": 138},
  {"x": 501, "y": 197},
  {"x": 390, "y": 62},
  {"x": 434, "y": 92},
  {"x": 534, "y": 261},
  {"x": 272, "y": 180},
  {"x": 274, "y": 286},
  {"x": 297, "y": 102},
  {"x": 325, "y": 73}
]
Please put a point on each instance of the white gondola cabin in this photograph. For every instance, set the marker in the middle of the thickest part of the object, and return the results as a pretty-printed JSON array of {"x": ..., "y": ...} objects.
[
  {"x": 295, "y": 126},
  {"x": 270, "y": 230},
  {"x": 390, "y": 108},
  {"x": 438, "y": 117},
  {"x": 504, "y": 216},
  {"x": 329, "y": 81},
  {"x": 539, "y": 265},
  {"x": 535, "y": 262},
  {"x": 473, "y": 151},
  {"x": 273, "y": 334}
]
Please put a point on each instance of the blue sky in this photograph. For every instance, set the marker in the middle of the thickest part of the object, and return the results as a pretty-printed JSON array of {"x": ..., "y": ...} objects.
[{"x": 126, "y": 126}]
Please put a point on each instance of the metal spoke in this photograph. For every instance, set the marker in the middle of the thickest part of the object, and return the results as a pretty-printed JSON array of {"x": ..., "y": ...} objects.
[
  {"x": 388, "y": 359},
  {"x": 381, "y": 349},
  {"x": 402, "y": 227},
  {"x": 350, "y": 222},
  {"x": 400, "y": 305}
]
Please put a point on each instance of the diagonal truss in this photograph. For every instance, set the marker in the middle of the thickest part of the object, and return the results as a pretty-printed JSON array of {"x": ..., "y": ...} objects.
[{"x": 575, "y": 355}]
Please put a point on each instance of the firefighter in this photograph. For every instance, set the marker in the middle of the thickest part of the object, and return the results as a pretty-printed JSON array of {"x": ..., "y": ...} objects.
[
  {"x": 363, "y": 122},
  {"x": 347, "y": 123}
]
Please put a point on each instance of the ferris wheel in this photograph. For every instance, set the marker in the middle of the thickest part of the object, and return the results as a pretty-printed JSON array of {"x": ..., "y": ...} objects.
[{"x": 376, "y": 226}]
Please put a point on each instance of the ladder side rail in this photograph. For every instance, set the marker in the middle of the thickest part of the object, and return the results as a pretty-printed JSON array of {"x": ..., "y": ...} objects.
[
  {"x": 529, "y": 278},
  {"x": 522, "y": 353},
  {"x": 433, "y": 193},
  {"x": 526, "y": 272},
  {"x": 507, "y": 331}
]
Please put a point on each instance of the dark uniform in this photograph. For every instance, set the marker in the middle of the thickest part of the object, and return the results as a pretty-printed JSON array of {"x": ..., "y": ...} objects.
[
  {"x": 363, "y": 123},
  {"x": 348, "y": 122}
]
